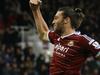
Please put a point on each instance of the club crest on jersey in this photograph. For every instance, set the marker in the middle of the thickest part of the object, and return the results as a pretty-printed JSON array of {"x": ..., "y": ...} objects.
[{"x": 70, "y": 43}]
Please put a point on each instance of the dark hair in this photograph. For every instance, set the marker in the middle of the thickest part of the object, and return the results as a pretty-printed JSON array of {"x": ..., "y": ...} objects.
[{"x": 76, "y": 15}]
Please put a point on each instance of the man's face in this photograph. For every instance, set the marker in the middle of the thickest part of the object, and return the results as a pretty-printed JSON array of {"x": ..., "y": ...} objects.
[{"x": 58, "y": 22}]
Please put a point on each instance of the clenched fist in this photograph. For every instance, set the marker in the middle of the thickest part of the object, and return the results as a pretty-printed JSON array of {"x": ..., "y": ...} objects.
[{"x": 34, "y": 4}]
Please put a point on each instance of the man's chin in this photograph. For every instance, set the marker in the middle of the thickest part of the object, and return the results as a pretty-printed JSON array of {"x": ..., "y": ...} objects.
[{"x": 57, "y": 32}]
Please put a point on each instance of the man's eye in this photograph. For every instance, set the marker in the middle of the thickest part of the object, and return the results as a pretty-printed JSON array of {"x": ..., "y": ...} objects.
[{"x": 55, "y": 17}]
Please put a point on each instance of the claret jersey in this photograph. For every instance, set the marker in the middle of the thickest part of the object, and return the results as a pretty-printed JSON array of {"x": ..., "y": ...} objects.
[{"x": 70, "y": 52}]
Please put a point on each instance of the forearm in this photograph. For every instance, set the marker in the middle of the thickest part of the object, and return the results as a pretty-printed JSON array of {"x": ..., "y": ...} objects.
[{"x": 40, "y": 23}]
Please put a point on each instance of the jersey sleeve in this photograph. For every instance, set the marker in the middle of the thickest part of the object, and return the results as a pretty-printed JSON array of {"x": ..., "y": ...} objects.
[
  {"x": 91, "y": 45},
  {"x": 52, "y": 37}
]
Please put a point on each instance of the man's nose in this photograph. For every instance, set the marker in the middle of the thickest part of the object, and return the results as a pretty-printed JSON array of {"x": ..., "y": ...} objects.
[{"x": 53, "y": 22}]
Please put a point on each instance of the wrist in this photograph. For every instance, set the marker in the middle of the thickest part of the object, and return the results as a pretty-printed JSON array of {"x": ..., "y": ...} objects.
[{"x": 34, "y": 7}]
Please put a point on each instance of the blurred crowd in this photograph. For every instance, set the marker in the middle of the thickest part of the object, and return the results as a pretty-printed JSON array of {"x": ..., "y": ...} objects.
[{"x": 17, "y": 61}]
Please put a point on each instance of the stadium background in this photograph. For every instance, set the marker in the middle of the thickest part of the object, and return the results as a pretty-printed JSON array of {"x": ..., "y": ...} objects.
[{"x": 21, "y": 51}]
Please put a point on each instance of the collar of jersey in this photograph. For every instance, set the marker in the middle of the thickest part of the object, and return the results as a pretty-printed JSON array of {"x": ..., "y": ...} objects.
[{"x": 76, "y": 32}]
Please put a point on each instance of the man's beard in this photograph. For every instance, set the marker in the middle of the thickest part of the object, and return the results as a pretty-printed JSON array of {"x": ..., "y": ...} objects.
[
  {"x": 59, "y": 32},
  {"x": 59, "y": 29}
]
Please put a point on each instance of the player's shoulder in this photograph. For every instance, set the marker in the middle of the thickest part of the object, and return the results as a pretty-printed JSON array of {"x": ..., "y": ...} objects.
[
  {"x": 84, "y": 37},
  {"x": 87, "y": 37},
  {"x": 91, "y": 41}
]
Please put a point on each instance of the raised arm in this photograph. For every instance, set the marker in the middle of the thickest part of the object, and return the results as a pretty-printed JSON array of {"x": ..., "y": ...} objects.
[{"x": 39, "y": 21}]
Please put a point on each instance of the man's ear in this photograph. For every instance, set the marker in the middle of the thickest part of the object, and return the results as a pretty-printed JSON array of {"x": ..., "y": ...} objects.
[{"x": 67, "y": 20}]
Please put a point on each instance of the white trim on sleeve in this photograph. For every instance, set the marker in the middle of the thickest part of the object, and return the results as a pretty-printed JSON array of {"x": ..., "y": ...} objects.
[{"x": 98, "y": 54}]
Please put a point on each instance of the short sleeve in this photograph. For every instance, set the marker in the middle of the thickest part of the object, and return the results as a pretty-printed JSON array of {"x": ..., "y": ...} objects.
[
  {"x": 52, "y": 37},
  {"x": 91, "y": 45}
]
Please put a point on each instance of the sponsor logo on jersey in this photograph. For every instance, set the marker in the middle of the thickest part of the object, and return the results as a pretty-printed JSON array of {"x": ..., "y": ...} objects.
[{"x": 61, "y": 50}]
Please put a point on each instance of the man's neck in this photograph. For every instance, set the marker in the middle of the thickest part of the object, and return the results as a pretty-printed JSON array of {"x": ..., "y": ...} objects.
[{"x": 68, "y": 31}]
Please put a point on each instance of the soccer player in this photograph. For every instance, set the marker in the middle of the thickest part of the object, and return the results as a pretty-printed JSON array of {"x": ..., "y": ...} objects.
[{"x": 71, "y": 48}]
